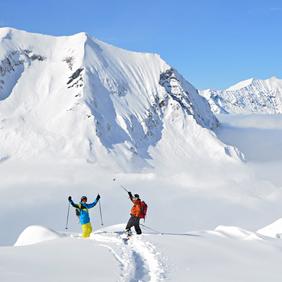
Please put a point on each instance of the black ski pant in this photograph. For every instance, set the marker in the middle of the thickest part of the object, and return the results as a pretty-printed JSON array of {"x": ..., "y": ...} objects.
[{"x": 134, "y": 221}]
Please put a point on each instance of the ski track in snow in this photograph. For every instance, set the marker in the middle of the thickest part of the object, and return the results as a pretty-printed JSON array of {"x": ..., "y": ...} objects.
[{"x": 138, "y": 259}]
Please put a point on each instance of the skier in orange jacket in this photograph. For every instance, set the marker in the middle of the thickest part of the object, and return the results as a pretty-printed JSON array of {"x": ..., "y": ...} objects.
[{"x": 135, "y": 214}]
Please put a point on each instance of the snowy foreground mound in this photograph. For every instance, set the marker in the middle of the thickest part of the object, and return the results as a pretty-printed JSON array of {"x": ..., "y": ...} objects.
[
  {"x": 224, "y": 254},
  {"x": 249, "y": 96},
  {"x": 273, "y": 230},
  {"x": 75, "y": 97},
  {"x": 35, "y": 234}
]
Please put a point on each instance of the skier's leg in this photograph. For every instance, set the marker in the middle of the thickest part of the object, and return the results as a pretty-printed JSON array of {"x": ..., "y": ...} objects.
[
  {"x": 89, "y": 229},
  {"x": 86, "y": 230},
  {"x": 130, "y": 223},
  {"x": 137, "y": 226}
]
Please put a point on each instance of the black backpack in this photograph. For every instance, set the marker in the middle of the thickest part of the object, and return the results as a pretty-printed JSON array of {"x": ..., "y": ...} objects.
[{"x": 78, "y": 210}]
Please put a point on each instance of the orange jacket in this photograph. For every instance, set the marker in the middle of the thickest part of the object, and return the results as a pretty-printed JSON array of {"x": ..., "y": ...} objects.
[{"x": 136, "y": 209}]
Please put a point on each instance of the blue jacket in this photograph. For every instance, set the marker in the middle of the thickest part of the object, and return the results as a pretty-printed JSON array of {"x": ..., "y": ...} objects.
[{"x": 84, "y": 214}]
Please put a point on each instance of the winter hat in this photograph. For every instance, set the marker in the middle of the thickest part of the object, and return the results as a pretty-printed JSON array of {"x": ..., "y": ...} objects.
[
  {"x": 136, "y": 196},
  {"x": 83, "y": 198}
]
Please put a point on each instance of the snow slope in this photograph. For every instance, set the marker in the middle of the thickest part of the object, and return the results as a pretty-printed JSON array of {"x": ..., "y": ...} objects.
[
  {"x": 231, "y": 201},
  {"x": 225, "y": 254},
  {"x": 273, "y": 230},
  {"x": 249, "y": 96},
  {"x": 77, "y": 98}
]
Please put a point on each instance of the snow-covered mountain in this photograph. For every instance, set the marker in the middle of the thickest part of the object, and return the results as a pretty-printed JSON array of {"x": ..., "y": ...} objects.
[
  {"x": 75, "y": 97},
  {"x": 249, "y": 96}
]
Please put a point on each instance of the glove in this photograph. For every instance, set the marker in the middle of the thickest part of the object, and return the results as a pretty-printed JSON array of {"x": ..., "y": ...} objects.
[
  {"x": 69, "y": 198},
  {"x": 98, "y": 197},
  {"x": 130, "y": 195}
]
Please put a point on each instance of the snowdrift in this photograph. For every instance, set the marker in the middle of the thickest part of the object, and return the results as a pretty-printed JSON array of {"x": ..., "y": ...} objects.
[
  {"x": 234, "y": 232},
  {"x": 273, "y": 230},
  {"x": 36, "y": 234}
]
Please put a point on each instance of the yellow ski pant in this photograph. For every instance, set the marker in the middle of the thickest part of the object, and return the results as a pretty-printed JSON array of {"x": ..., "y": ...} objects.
[{"x": 86, "y": 230}]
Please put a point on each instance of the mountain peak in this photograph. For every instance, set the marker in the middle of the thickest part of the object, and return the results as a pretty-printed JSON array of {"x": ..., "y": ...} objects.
[
  {"x": 75, "y": 97},
  {"x": 241, "y": 84},
  {"x": 9, "y": 32},
  {"x": 248, "y": 96}
]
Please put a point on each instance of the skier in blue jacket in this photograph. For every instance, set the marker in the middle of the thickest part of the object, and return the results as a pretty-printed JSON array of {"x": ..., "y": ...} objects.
[{"x": 84, "y": 218}]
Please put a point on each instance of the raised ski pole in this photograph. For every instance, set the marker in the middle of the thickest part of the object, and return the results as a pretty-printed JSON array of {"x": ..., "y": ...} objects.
[
  {"x": 101, "y": 216},
  {"x": 68, "y": 214},
  {"x": 114, "y": 179},
  {"x": 124, "y": 188}
]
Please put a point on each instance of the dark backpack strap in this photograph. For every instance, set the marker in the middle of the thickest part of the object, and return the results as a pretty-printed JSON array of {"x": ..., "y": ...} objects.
[{"x": 82, "y": 207}]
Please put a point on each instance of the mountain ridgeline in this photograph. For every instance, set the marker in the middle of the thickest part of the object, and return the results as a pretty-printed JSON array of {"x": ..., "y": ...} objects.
[
  {"x": 77, "y": 98},
  {"x": 249, "y": 96}
]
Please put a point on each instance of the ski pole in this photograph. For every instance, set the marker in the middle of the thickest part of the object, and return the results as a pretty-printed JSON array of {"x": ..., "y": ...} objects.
[
  {"x": 124, "y": 188},
  {"x": 149, "y": 228},
  {"x": 67, "y": 223},
  {"x": 101, "y": 216},
  {"x": 114, "y": 179},
  {"x": 170, "y": 233}
]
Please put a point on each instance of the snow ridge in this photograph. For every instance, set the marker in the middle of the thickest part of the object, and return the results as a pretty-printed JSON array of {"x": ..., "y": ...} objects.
[{"x": 249, "y": 96}]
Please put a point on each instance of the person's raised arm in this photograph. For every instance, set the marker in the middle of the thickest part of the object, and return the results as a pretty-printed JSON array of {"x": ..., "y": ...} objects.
[
  {"x": 72, "y": 203},
  {"x": 130, "y": 196},
  {"x": 89, "y": 206}
]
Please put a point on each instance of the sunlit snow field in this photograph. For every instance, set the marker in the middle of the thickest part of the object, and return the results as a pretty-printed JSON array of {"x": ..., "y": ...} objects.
[{"x": 193, "y": 197}]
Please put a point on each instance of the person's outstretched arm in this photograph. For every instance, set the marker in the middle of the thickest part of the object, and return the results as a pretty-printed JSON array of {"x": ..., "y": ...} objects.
[
  {"x": 130, "y": 196},
  {"x": 72, "y": 203},
  {"x": 89, "y": 206}
]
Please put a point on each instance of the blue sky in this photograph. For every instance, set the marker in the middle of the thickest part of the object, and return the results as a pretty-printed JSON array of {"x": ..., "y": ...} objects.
[{"x": 213, "y": 43}]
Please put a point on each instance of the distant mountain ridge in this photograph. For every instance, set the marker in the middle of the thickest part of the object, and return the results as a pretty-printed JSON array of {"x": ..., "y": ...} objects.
[
  {"x": 77, "y": 98},
  {"x": 249, "y": 96}
]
